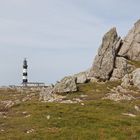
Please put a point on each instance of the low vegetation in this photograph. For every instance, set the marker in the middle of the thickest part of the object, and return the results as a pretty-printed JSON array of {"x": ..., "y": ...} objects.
[
  {"x": 93, "y": 119},
  {"x": 135, "y": 63}
]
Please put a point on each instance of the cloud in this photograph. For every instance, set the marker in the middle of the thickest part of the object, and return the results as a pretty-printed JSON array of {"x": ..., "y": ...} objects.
[
  {"x": 58, "y": 37},
  {"x": 61, "y": 27}
]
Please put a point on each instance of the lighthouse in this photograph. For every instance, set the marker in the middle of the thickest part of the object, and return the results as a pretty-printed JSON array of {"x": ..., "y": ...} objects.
[
  {"x": 25, "y": 82},
  {"x": 25, "y": 74}
]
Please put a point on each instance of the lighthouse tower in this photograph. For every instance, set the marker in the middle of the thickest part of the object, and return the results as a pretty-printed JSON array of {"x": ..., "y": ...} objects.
[{"x": 25, "y": 74}]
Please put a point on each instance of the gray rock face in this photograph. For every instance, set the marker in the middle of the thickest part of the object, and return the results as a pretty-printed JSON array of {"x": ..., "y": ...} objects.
[
  {"x": 46, "y": 94},
  {"x": 118, "y": 97},
  {"x": 105, "y": 60},
  {"x": 67, "y": 84},
  {"x": 127, "y": 81},
  {"x": 119, "y": 93},
  {"x": 131, "y": 44},
  {"x": 136, "y": 78},
  {"x": 81, "y": 78},
  {"x": 121, "y": 68},
  {"x": 132, "y": 79}
]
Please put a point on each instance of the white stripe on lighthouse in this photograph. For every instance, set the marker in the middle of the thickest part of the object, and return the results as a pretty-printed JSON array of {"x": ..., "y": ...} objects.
[
  {"x": 24, "y": 77},
  {"x": 24, "y": 70}
]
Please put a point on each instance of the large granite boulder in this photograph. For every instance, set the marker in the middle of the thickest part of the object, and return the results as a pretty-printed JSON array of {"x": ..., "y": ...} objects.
[
  {"x": 67, "y": 84},
  {"x": 81, "y": 77},
  {"x": 132, "y": 79},
  {"x": 136, "y": 78},
  {"x": 105, "y": 60},
  {"x": 46, "y": 94},
  {"x": 122, "y": 67},
  {"x": 131, "y": 44}
]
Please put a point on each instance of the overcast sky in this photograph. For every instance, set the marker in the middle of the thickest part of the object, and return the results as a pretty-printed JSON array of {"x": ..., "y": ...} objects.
[{"x": 58, "y": 37}]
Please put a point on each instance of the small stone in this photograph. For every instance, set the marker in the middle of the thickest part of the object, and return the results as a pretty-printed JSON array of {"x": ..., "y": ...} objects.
[
  {"x": 48, "y": 117},
  {"x": 2, "y": 130},
  {"x": 4, "y": 117},
  {"x": 129, "y": 114},
  {"x": 77, "y": 100},
  {"x": 27, "y": 116},
  {"x": 137, "y": 108},
  {"x": 24, "y": 113},
  {"x": 83, "y": 96},
  {"x": 30, "y": 131}
]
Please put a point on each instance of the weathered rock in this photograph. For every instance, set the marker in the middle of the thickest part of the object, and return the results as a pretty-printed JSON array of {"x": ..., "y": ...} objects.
[
  {"x": 81, "y": 78},
  {"x": 105, "y": 60},
  {"x": 120, "y": 93},
  {"x": 118, "y": 96},
  {"x": 121, "y": 68},
  {"x": 132, "y": 79},
  {"x": 127, "y": 81},
  {"x": 129, "y": 114},
  {"x": 93, "y": 80},
  {"x": 137, "y": 108},
  {"x": 46, "y": 94},
  {"x": 67, "y": 84},
  {"x": 136, "y": 78},
  {"x": 131, "y": 44},
  {"x": 7, "y": 104},
  {"x": 30, "y": 131},
  {"x": 49, "y": 94},
  {"x": 74, "y": 101}
]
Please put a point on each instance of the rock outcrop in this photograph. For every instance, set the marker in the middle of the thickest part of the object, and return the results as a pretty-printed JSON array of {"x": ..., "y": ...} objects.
[
  {"x": 127, "y": 81},
  {"x": 131, "y": 44},
  {"x": 118, "y": 97},
  {"x": 119, "y": 93},
  {"x": 132, "y": 79},
  {"x": 122, "y": 67},
  {"x": 67, "y": 84},
  {"x": 51, "y": 93},
  {"x": 46, "y": 94},
  {"x": 81, "y": 77},
  {"x": 104, "y": 62},
  {"x": 111, "y": 63},
  {"x": 136, "y": 78}
]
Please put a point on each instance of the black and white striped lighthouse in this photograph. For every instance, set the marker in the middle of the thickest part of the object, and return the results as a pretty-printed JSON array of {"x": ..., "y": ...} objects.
[{"x": 25, "y": 74}]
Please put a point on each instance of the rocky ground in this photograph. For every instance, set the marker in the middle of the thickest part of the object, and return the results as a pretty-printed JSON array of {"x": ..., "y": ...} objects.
[{"x": 83, "y": 115}]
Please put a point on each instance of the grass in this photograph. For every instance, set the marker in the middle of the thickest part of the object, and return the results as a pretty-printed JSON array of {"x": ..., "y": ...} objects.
[
  {"x": 96, "y": 120},
  {"x": 135, "y": 63}
]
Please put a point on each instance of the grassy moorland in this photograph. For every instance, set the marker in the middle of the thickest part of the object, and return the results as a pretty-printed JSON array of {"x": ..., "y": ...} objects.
[{"x": 94, "y": 119}]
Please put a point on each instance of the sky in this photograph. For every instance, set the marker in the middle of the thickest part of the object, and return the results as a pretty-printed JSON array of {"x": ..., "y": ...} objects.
[{"x": 58, "y": 37}]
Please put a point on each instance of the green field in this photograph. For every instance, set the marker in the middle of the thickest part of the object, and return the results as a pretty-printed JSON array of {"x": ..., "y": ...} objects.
[{"x": 95, "y": 119}]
